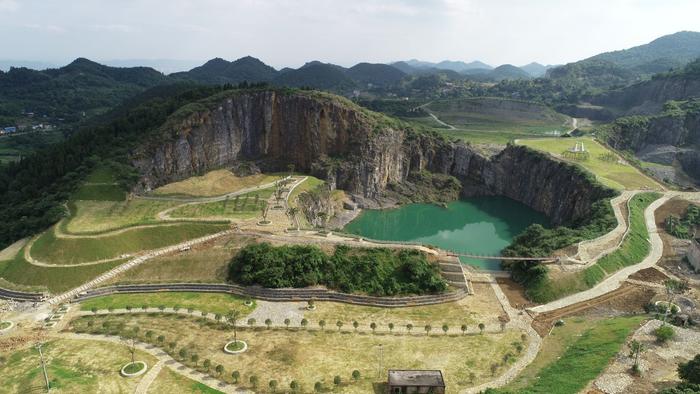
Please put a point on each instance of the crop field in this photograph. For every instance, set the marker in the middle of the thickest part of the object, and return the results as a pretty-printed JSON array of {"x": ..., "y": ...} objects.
[
  {"x": 616, "y": 173},
  {"x": 214, "y": 183},
  {"x": 55, "y": 279},
  {"x": 310, "y": 356},
  {"x": 207, "y": 302},
  {"x": 239, "y": 207},
  {"x": 73, "y": 366},
  {"x": 633, "y": 250},
  {"x": 54, "y": 250},
  {"x": 573, "y": 355},
  {"x": 98, "y": 216}
]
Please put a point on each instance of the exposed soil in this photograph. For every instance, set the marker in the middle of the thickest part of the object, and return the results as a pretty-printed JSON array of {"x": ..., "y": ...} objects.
[
  {"x": 675, "y": 249},
  {"x": 515, "y": 293},
  {"x": 651, "y": 275},
  {"x": 674, "y": 206},
  {"x": 627, "y": 299}
]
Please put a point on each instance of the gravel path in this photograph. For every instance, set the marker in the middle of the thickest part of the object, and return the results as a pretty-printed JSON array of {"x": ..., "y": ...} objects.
[
  {"x": 591, "y": 250},
  {"x": 278, "y": 311}
]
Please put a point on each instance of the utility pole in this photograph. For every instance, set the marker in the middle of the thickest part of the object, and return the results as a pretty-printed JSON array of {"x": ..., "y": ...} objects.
[{"x": 43, "y": 366}]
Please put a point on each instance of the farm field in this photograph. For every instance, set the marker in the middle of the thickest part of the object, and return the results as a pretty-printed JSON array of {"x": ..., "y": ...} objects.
[
  {"x": 51, "y": 249},
  {"x": 73, "y": 366},
  {"x": 310, "y": 356},
  {"x": 214, "y": 183},
  {"x": 615, "y": 174}
]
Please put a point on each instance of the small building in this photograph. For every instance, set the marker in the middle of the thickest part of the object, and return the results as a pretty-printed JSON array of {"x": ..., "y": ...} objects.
[
  {"x": 415, "y": 381},
  {"x": 694, "y": 254},
  {"x": 9, "y": 130}
]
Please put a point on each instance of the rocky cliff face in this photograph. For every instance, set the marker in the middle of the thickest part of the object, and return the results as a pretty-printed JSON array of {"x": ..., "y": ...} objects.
[{"x": 355, "y": 150}]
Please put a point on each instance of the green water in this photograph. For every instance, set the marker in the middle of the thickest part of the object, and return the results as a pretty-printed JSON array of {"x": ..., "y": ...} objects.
[{"x": 480, "y": 225}]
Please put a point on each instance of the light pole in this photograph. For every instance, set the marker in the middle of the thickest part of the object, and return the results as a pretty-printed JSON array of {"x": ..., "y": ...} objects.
[
  {"x": 43, "y": 365},
  {"x": 381, "y": 360}
]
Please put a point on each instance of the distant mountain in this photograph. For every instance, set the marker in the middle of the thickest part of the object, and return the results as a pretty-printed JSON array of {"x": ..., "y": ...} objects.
[
  {"x": 413, "y": 66},
  {"x": 535, "y": 69},
  {"x": 404, "y": 67},
  {"x": 509, "y": 71},
  {"x": 5, "y": 65},
  {"x": 622, "y": 67},
  {"x": 67, "y": 92},
  {"x": 166, "y": 66},
  {"x": 219, "y": 71},
  {"x": 317, "y": 75},
  {"x": 460, "y": 66},
  {"x": 375, "y": 74}
]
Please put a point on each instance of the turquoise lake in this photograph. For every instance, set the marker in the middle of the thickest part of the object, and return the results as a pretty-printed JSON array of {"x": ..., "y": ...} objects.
[{"x": 479, "y": 225}]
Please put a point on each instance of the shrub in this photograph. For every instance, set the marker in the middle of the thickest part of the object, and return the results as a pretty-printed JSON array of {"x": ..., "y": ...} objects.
[
  {"x": 664, "y": 333},
  {"x": 690, "y": 371},
  {"x": 355, "y": 375}
]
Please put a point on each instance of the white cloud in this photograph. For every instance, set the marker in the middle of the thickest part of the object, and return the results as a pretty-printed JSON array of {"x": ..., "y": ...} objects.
[
  {"x": 115, "y": 28},
  {"x": 48, "y": 28},
  {"x": 9, "y": 5}
]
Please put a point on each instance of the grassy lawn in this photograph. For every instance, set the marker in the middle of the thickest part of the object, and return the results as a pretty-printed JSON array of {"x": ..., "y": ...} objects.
[
  {"x": 168, "y": 382},
  {"x": 574, "y": 355},
  {"x": 50, "y": 249},
  {"x": 214, "y": 183},
  {"x": 240, "y": 207},
  {"x": 206, "y": 264},
  {"x": 55, "y": 279},
  {"x": 309, "y": 184},
  {"x": 208, "y": 302},
  {"x": 500, "y": 115},
  {"x": 95, "y": 216},
  {"x": 310, "y": 356},
  {"x": 633, "y": 250},
  {"x": 73, "y": 366},
  {"x": 617, "y": 175}
]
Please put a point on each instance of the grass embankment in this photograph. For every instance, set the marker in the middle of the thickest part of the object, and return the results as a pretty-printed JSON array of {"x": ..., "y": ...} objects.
[
  {"x": 312, "y": 355},
  {"x": 30, "y": 277},
  {"x": 239, "y": 207},
  {"x": 634, "y": 248},
  {"x": 99, "y": 216},
  {"x": 73, "y": 366},
  {"x": 168, "y": 381},
  {"x": 52, "y": 250},
  {"x": 310, "y": 183},
  {"x": 605, "y": 164},
  {"x": 573, "y": 355},
  {"x": 207, "y": 302},
  {"x": 214, "y": 183}
]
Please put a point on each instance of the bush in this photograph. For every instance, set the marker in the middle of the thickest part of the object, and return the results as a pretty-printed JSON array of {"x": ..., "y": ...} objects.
[
  {"x": 375, "y": 271},
  {"x": 690, "y": 371},
  {"x": 664, "y": 333}
]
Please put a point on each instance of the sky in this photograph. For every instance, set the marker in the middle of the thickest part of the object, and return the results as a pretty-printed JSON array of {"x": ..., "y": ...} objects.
[{"x": 291, "y": 32}]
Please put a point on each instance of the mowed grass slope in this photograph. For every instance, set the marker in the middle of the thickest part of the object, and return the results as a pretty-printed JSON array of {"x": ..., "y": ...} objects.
[
  {"x": 28, "y": 277},
  {"x": 169, "y": 382},
  {"x": 50, "y": 249},
  {"x": 618, "y": 175},
  {"x": 207, "y": 302},
  {"x": 634, "y": 248},
  {"x": 239, "y": 207},
  {"x": 573, "y": 356},
  {"x": 73, "y": 366},
  {"x": 99, "y": 216},
  {"x": 214, "y": 183}
]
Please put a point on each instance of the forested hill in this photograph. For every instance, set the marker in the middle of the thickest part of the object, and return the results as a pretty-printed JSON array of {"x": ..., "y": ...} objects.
[
  {"x": 33, "y": 190},
  {"x": 622, "y": 67},
  {"x": 67, "y": 92}
]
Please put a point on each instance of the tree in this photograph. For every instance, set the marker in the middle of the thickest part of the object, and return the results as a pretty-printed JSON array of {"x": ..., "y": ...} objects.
[
  {"x": 161, "y": 339},
  {"x": 94, "y": 310},
  {"x": 322, "y": 216},
  {"x": 268, "y": 323},
  {"x": 263, "y": 212},
  {"x": 130, "y": 342},
  {"x": 355, "y": 325},
  {"x": 445, "y": 327},
  {"x": 664, "y": 333},
  {"x": 203, "y": 313},
  {"x": 218, "y": 317},
  {"x": 195, "y": 359},
  {"x": 190, "y": 310},
  {"x": 172, "y": 345},
  {"x": 129, "y": 308},
  {"x": 251, "y": 322},
  {"x": 409, "y": 327},
  {"x": 149, "y": 335},
  {"x": 427, "y": 329},
  {"x": 294, "y": 385},
  {"x": 207, "y": 364},
  {"x": 391, "y": 327},
  {"x": 472, "y": 376},
  {"x": 161, "y": 308},
  {"x": 290, "y": 168},
  {"x": 183, "y": 353},
  {"x": 482, "y": 326},
  {"x": 253, "y": 381},
  {"x": 318, "y": 387},
  {"x": 355, "y": 375},
  {"x": 673, "y": 288},
  {"x": 144, "y": 307},
  {"x": 232, "y": 320},
  {"x": 219, "y": 369},
  {"x": 176, "y": 308},
  {"x": 373, "y": 326},
  {"x": 304, "y": 323},
  {"x": 690, "y": 371},
  {"x": 110, "y": 309},
  {"x": 494, "y": 369},
  {"x": 339, "y": 324},
  {"x": 292, "y": 213},
  {"x": 636, "y": 348},
  {"x": 273, "y": 385},
  {"x": 235, "y": 375},
  {"x": 464, "y": 329},
  {"x": 287, "y": 322},
  {"x": 322, "y": 324},
  {"x": 337, "y": 380}
]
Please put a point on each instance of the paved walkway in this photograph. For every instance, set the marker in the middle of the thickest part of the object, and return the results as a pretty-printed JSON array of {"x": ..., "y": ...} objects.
[
  {"x": 166, "y": 360},
  {"x": 615, "y": 280},
  {"x": 148, "y": 379},
  {"x": 590, "y": 251}
]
